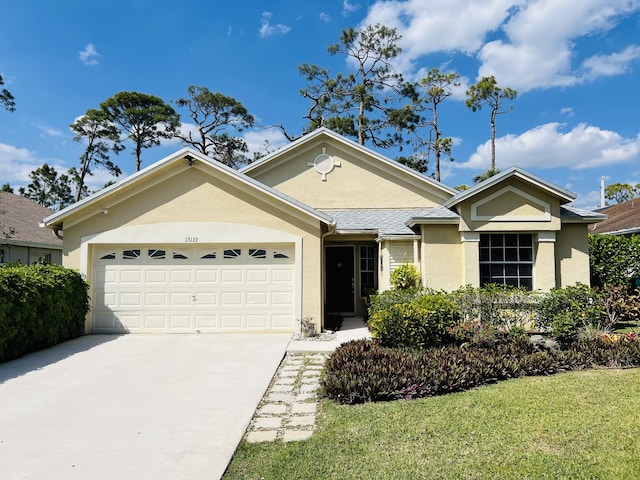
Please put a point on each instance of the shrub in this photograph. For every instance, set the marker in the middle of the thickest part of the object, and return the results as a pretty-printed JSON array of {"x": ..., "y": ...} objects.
[
  {"x": 420, "y": 323},
  {"x": 42, "y": 305},
  {"x": 614, "y": 259},
  {"x": 365, "y": 371},
  {"x": 563, "y": 311},
  {"x": 502, "y": 307},
  {"x": 405, "y": 277}
]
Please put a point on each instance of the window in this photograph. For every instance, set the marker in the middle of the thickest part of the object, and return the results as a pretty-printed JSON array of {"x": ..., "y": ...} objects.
[
  {"x": 507, "y": 258},
  {"x": 232, "y": 253},
  {"x": 131, "y": 254},
  {"x": 209, "y": 256},
  {"x": 368, "y": 254},
  {"x": 2, "y": 260},
  {"x": 280, "y": 255},
  {"x": 179, "y": 256},
  {"x": 109, "y": 256},
  {"x": 157, "y": 254},
  {"x": 257, "y": 253}
]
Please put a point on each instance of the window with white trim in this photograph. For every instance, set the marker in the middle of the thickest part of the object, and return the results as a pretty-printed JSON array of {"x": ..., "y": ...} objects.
[
  {"x": 506, "y": 258},
  {"x": 368, "y": 256}
]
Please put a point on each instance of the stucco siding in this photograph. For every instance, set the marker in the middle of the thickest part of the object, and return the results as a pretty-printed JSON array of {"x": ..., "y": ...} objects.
[
  {"x": 356, "y": 182},
  {"x": 572, "y": 255},
  {"x": 195, "y": 206},
  {"x": 441, "y": 257}
]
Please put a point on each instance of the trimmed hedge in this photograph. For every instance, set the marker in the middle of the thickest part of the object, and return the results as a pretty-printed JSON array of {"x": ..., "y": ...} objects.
[
  {"x": 40, "y": 306},
  {"x": 365, "y": 371}
]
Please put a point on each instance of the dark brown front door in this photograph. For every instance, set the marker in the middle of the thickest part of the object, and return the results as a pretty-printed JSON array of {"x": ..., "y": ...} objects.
[{"x": 340, "y": 279}]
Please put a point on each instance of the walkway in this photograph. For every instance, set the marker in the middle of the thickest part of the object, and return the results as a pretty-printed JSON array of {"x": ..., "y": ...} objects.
[{"x": 287, "y": 411}]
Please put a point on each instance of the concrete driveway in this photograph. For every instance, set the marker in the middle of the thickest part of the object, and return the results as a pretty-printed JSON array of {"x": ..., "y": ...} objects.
[{"x": 132, "y": 406}]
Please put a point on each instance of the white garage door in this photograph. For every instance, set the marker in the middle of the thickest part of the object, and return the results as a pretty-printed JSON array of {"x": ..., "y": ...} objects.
[{"x": 217, "y": 288}]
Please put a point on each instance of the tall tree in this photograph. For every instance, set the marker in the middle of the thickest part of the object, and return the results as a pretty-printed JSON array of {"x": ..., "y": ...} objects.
[
  {"x": 102, "y": 137},
  {"x": 6, "y": 99},
  {"x": 428, "y": 94},
  {"x": 214, "y": 114},
  {"x": 146, "y": 119},
  {"x": 48, "y": 189},
  {"x": 365, "y": 104},
  {"x": 620, "y": 192},
  {"x": 6, "y": 187},
  {"x": 487, "y": 93}
]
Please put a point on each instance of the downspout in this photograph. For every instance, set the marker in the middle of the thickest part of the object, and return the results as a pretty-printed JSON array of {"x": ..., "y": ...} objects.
[{"x": 56, "y": 232}]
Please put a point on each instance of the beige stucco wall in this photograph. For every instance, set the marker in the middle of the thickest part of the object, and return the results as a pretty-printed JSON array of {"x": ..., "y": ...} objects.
[
  {"x": 188, "y": 196},
  {"x": 442, "y": 259},
  {"x": 518, "y": 208},
  {"x": 572, "y": 255},
  {"x": 358, "y": 182}
]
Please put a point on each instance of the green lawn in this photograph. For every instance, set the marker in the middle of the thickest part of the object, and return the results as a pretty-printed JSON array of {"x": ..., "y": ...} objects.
[{"x": 578, "y": 425}]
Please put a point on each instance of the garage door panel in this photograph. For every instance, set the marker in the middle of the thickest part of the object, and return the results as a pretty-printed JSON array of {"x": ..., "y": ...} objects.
[
  {"x": 181, "y": 276},
  {"x": 228, "y": 275},
  {"x": 206, "y": 299},
  {"x": 257, "y": 321},
  {"x": 257, "y": 275},
  {"x": 179, "y": 299},
  {"x": 130, "y": 299},
  {"x": 207, "y": 276},
  {"x": 131, "y": 276},
  {"x": 257, "y": 298},
  {"x": 155, "y": 299},
  {"x": 156, "y": 276},
  {"x": 228, "y": 321},
  {"x": 282, "y": 275},
  {"x": 204, "y": 289}
]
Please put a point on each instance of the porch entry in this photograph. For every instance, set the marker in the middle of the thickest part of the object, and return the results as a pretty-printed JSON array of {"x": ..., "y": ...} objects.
[{"x": 340, "y": 279}]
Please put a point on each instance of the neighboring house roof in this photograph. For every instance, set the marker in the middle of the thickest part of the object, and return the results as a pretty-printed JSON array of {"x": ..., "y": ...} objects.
[
  {"x": 621, "y": 219},
  {"x": 24, "y": 216},
  {"x": 383, "y": 222},
  {"x": 339, "y": 139},
  {"x": 565, "y": 196},
  {"x": 571, "y": 214},
  {"x": 189, "y": 155}
]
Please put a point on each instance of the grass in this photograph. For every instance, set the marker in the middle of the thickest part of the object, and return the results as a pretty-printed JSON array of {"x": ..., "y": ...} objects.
[{"x": 578, "y": 425}]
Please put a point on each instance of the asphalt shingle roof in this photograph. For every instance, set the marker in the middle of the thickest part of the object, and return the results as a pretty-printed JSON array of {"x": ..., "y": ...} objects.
[
  {"x": 383, "y": 221},
  {"x": 24, "y": 217}
]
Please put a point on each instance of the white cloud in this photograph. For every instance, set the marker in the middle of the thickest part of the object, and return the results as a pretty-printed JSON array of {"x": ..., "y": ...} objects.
[
  {"x": 89, "y": 56},
  {"x": 613, "y": 64},
  {"x": 547, "y": 146},
  {"x": 49, "y": 131},
  {"x": 268, "y": 30},
  {"x": 348, "y": 8},
  {"x": 325, "y": 17},
  {"x": 261, "y": 140},
  {"x": 17, "y": 163},
  {"x": 526, "y": 44}
]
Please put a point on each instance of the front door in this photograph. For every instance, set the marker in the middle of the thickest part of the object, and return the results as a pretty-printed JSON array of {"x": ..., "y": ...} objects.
[{"x": 340, "y": 279}]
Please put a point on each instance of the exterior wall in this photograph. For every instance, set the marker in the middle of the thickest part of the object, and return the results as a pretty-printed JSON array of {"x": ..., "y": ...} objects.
[
  {"x": 393, "y": 254},
  {"x": 520, "y": 209},
  {"x": 545, "y": 261},
  {"x": 358, "y": 181},
  {"x": 572, "y": 255},
  {"x": 28, "y": 255},
  {"x": 193, "y": 203},
  {"x": 442, "y": 257}
]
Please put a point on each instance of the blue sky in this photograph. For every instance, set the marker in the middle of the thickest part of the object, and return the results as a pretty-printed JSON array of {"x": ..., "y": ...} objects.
[{"x": 575, "y": 65}]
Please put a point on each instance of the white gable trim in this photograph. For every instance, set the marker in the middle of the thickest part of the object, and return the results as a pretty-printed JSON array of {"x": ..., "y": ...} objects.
[{"x": 545, "y": 217}]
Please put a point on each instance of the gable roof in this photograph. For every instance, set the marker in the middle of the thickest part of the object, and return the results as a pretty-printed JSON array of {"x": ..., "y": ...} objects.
[
  {"x": 350, "y": 144},
  {"x": 24, "y": 217},
  {"x": 564, "y": 195},
  {"x": 623, "y": 218},
  {"x": 187, "y": 155}
]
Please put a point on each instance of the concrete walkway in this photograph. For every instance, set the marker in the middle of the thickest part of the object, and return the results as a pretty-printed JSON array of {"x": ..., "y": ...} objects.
[{"x": 287, "y": 411}]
